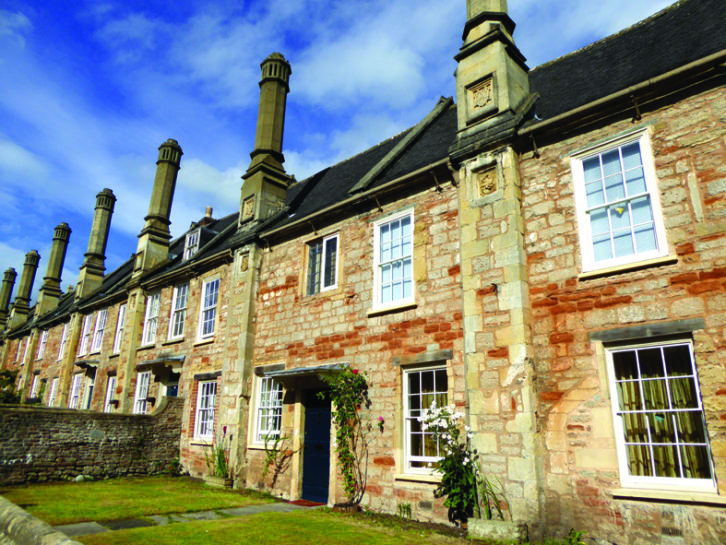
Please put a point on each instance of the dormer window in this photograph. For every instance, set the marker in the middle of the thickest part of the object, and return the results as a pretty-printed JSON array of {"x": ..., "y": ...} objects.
[{"x": 191, "y": 244}]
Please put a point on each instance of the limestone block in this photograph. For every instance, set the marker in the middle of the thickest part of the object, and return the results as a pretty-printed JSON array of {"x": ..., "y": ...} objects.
[{"x": 596, "y": 458}]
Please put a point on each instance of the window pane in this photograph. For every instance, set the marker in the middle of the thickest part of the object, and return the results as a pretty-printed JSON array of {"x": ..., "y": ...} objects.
[
  {"x": 611, "y": 163},
  {"x": 640, "y": 460},
  {"x": 631, "y": 156},
  {"x": 651, "y": 363},
  {"x": 678, "y": 360},
  {"x": 635, "y": 181},
  {"x": 614, "y": 187},
  {"x": 623, "y": 243},
  {"x": 696, "y": 462},
  {"x": 331, "y": 250},
  {"x": 595, "y": 195},
  {"x": 591, "y": 167}
]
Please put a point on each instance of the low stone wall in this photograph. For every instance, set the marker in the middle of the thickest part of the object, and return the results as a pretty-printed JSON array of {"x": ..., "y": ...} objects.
[
  {"x": 42, "y": 444},
  {"x": 17, "y": 527}
]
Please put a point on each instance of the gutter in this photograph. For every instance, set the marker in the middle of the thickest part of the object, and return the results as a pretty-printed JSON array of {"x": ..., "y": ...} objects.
[{"x": 713, "y": 59}]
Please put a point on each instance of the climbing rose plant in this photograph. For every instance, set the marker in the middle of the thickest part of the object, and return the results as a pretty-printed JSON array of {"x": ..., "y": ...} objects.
[{"x": 349, "y": 395}]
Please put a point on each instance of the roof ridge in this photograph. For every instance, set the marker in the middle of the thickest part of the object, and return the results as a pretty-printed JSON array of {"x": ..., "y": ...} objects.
[{"x": 611, "y": 37}]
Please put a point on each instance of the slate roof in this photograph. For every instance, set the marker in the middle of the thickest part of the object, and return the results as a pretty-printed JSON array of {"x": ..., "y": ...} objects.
[{"x": 680, "y": 34}]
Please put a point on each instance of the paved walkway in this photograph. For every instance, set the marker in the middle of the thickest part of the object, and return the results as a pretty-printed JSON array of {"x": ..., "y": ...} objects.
[{"x": 85, "y": 528}]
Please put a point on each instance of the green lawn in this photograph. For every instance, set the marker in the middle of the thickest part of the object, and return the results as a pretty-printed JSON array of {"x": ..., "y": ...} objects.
[
  {"x": 112, "y": 499},
  {"x": 295, "y": 528}
]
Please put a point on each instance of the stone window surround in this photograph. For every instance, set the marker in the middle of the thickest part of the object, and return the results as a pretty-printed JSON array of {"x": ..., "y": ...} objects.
[
  {"x": 181, "y": 311},
  {"x": 640, "y": 135},
  {"x": 255, "y": 412},
  {"x": 120, "y": 324},
  {"x": 320, "y": 286},
  {"x": 202, "y": 309},
  {"x": 151, "y": 319}
]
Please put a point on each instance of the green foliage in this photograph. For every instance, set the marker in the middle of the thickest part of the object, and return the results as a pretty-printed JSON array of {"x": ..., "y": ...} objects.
[
  {"x": 8, "y": 394},
  {"x": 349, "y": 395},
  {"x": 216, "y": 455},
  {"x": 461, "y": 478},
  {"x": 575, "y": 538},
  {"x": 404, "y": 510}
]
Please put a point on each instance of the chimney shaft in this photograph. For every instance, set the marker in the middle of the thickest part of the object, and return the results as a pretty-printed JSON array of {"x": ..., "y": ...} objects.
[
  {"x": 153, "y": 247},
  {"x": 5, "y": 292},
  {"x": 475, "y": 7},
  {"x": 93, "y": 266},
  {"x": 265, "y": 182},
  {"x": 21, "y": 306},
  {"x": 50, "y": 291}
]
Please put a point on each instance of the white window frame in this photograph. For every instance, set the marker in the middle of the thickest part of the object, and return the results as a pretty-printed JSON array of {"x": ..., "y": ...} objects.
[
  {"x": 151, "y": 319},
  {"x": 41, "y": 344},
  {"x": 85, "y": 335},
  {"x": 205, "y": 410},
  {"x": 378, "y": 266},
  {"x": 53, "y": 392},
  {"x": 75, "y": 393},
  {"x": 63, "y": 342},
  {"x": 651, "y": 191},
  {"x": 34, "y": 386},
  {"x": 110, "y": 387},
  {"x": 25, "y": 350},
  {"x": 208, "y": 308},
  {"x": 268, "y": 408},
  {"x": 177, "y": 318},
  {"x": 191, "y": 243},
  {"x": 143, "y": 382},
  {"x": 120, "y": 323},
  {"x": 326, "y": 263},
  {"x": 409, "y": 417},
  {"x": 655, "y": 482},
  {"x": 88, "y": 387},
  {"x": 97, "y": 342}
]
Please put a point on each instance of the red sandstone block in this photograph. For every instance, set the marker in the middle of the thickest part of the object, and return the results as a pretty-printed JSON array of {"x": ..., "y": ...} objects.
[
  {"x": 577, "y": 296},
  {"x": 431, "y": 328},
  {"x": 585, "y": 305},
  {"x": 491, "y": 288},
  {"x": 552, "y": 287},
  {"x": 571, "y": 282},
  {"x": 374, "y": 489},
  {"x": 535, "y": 257},
  {"x": 685, "y": 248},
  {"x": 613, "y": 301},
  {"x": 704, "y": 287},
  {"x": 453, "y": 271},
  {"x": 551, "y": 396},
  {"x": 388, "y": 461},
  {"x": 547, "y": 302},
  {"x": 721, "y": 392},
  {"x": 446, "y": 326},
  {"x": 608, "y": 290},
  {"x": 498, "y": 352},
  {"x": 685, "y": 278},
  {"x": 562, "y": 308},
  {"x": 715, "y": 273},
  {"x": 418, "y": 322},
  {"x": 556, "y": 338}
]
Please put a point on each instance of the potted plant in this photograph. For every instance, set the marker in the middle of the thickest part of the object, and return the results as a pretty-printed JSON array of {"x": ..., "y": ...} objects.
[{"x": 216, "y": 458}]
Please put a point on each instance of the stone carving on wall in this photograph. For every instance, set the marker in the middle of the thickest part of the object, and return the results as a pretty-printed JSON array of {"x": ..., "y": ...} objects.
[
  {"x": 486, "y": 181},
  {"x": 481, "y": 95},
  {"x": 248, "y": 207},
  {"x": 244, "y": 263}
]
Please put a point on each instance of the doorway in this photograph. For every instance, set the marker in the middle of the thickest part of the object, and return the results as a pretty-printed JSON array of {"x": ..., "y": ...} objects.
[{"x": 316, "y": 447}]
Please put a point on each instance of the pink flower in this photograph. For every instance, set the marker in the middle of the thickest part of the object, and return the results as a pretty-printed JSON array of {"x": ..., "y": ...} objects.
[
  {"x": 354, "y": 371},
  {"x": 380, "y": 419}
]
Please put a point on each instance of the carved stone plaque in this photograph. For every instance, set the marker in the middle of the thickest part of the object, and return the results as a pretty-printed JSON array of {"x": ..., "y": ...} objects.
[
  {"x": 486, "y": 182},
  {"x": 248, "y": 207},
  {"x": 481, "y": 95},
  {"x": 244, "y": 263}
]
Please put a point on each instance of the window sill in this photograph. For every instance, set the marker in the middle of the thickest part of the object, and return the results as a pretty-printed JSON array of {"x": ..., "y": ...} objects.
[
  {"x": 114, "y": 355},
  {"x": 172, "y": 341},
  {"x": 669, "y": 496},
  {"x": 418, "y": 478},
  {"x": 201, "y": 443},
  {"x": 391, "y": 309},
  {"x": 629, "y": 267},
  {"x": 202, "y": 342},
  {"x": 145, "y": 347}
]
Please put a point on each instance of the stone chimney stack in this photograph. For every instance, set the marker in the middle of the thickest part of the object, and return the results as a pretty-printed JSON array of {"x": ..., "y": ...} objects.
[
  {"x": 153, "y": 246},
  {"x": 491, "y": 78},
  {"x": 93, "y": 266},
  {"x": 21, "y": 307},
  {"x": 5, "y": 292},
  {"x": 50, "y": 291},
  {"x": 265, "y": 182}
]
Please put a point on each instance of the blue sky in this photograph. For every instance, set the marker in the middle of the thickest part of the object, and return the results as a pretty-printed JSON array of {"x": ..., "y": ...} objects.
[{"x": 89, "y": 90}]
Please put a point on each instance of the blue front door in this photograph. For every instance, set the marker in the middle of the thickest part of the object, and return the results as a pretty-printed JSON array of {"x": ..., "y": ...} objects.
[{"x": 316, "y": 448}]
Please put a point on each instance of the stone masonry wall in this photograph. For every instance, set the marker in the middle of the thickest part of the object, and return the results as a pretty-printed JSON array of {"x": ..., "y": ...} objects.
[
  {"x": 574, "y": 410},
  {"x": 38, "y": 444},
  {"x": 338, "y": 326}
]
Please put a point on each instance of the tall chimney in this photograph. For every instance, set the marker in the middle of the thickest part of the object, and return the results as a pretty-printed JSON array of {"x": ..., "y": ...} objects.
[
  {"x": 491, "y": 77},
  {"x": 153, "y": 247},
  {"x": 5, "y": 291},
  {"x": 21, "y": 306},
  {"x": 50, "y": 291},
  {"x": 265, "y": 182},
  {"x": 91, "y": 276}
]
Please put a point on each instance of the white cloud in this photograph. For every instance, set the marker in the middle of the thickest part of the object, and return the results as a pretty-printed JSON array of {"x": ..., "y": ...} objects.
[
  {"x": 18, "y": 161},
  {"x": 132, "y": 36},
  {"x": 13, "y": 26}
]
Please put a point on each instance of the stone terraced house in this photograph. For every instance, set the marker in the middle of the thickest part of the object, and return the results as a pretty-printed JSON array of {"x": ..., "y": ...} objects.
[{"x": 547, "y": 253}]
